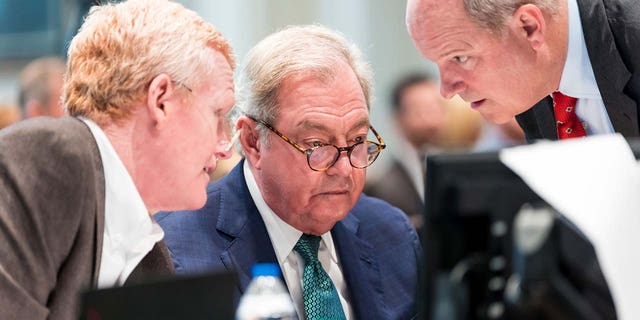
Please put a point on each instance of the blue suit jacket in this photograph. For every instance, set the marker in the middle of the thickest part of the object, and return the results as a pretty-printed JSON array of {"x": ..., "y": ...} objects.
[{"x": 378, "y": 248}]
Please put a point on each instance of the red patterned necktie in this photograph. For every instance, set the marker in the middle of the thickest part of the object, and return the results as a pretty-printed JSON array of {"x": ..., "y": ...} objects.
[{"x": 567, "y": 123}]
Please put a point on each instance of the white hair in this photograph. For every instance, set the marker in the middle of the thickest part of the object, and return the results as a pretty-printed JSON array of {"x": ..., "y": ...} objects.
[
  {"x": 493, "y": 14},
  {"x": 295, "y": 49}
]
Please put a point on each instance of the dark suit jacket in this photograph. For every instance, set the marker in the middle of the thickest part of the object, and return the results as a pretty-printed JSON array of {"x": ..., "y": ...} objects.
[
  {"x": 377, "y": 246},
  {"x": 397, "y": 188},
  {"x": 52, "y": 219},
  {"x": 612, "y": 35}
]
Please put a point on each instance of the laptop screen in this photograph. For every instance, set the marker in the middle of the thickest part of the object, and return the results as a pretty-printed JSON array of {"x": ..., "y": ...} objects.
[{"x": 209, "y": 296}]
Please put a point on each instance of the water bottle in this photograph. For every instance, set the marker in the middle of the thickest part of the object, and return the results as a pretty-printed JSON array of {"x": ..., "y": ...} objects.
[{"x": 266, "y": 297}]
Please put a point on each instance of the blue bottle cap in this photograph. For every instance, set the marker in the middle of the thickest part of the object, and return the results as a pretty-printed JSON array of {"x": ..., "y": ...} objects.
[{"x": 265, "y": 269}]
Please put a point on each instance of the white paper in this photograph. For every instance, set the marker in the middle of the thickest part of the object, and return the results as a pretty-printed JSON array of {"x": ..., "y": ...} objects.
[{"x": 595, "y": 183}]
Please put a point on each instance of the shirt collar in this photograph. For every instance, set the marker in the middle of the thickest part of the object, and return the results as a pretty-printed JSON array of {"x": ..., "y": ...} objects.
[
  {"x": 410, "y": 159},
  {"x": 127, "y": 223},
  {"x": 283, "y": 236},
  {"x": 577, "y": 79}
]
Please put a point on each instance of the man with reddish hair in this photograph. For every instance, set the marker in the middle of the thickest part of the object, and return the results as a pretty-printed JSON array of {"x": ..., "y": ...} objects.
[{"x": 148, "y": 86}]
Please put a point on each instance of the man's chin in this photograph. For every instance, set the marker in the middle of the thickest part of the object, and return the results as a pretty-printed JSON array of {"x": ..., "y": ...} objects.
[
  {"x": 498, "y": 119},
  {"x": 489, "y": 113},
  {"x": 334, "y": 214},
  {"x": 189, "y": 204}
]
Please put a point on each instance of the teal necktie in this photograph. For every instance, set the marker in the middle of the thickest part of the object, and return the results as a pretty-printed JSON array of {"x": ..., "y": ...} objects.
[{"x": 321, "y": 301}]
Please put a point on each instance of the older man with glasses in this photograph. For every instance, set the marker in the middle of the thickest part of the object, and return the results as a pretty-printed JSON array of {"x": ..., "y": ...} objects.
[{"x": 296, "y": 199}]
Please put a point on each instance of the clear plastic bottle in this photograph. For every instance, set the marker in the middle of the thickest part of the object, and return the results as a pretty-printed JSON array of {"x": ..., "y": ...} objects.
[{"x": 266, "y": 298}]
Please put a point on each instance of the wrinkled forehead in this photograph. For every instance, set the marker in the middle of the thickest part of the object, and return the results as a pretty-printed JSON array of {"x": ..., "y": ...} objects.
[
  {"x": 420, "y": 10},
  {"x": 442, "y": 26}
]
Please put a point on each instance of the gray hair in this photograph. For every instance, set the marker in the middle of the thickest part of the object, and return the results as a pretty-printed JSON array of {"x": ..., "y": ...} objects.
[
  {"x": 311, "y": 48},
  {"x": 35, "y": 81},
  {"x": 493, "y": 14}
]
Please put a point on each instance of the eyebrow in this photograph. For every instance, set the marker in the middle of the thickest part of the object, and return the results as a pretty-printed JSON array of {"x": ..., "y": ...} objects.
[
  {"x": 456, "y": 51},
  {"x": 450, "y": 53},
  {"x": 308, "y": 125}
]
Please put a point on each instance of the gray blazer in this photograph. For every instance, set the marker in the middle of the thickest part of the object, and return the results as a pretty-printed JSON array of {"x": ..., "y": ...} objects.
[
  {"x": 612, "y": 35},
  {"x": 52, "y": 219}
]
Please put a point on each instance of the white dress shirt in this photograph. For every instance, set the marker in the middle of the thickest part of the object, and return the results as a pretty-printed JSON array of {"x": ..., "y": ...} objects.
[
  {"x": 129, "y": 231},
  {"x": 578, "y": 80},
  {"x": 409, "y": 158},
  {"x": 283, "y": 238}
]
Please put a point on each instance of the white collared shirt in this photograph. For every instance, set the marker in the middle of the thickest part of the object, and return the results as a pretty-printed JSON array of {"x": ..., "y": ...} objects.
[
  {"x": 283, "y": 238},
  {"x": 129, "y": 231},
  {"x": 410, "y": 160},
  {"x": 578, "y": 80}
]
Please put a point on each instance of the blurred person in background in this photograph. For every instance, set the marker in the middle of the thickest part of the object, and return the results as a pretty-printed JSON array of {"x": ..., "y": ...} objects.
[
  {"x": 428, "y": 124},
  {"x": 462, "y": 127},
  {"x": 296, "y": 199},
  {"x": 418, "y": 113},
  {"x": 77, "y": 193},
  {"x": 494, "y": 137},
  {"x": 40, "y": 88},
  {"x": 8, "y": 115},
  {"x": 224, "y": 166}
]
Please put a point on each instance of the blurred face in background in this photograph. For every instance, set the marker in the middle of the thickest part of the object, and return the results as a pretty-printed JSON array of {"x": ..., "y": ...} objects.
[
  {"x": 54, "y": 105},
  {"x": 49, "y": 105},
  {"x": 421, "y": 113}
]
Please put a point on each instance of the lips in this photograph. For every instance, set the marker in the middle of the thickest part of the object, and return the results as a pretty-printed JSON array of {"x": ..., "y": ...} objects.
[
  {"x": 335, "y": 193},
  {"x": 477, "y": 104},
  {"x": 209, "y": 170}
]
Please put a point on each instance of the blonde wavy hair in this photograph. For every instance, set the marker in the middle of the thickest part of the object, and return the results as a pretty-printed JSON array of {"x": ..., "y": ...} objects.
[{"x": 121, "y": 47}]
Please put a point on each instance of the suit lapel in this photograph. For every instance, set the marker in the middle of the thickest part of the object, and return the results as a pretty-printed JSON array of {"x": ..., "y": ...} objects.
[
  {"x": 612, "y": 76},
  {"x": 360, "y": 269},
  {"x": 156, "y": 264},
  {"x": 546, "y": 118},
  {"x": 611, "y": 73},
  {"x": 240, "y": 220},
  {"x": 249, "y": 243},
  {"x": 100, "y": 205},
  {"x": 539, "y": 122}
]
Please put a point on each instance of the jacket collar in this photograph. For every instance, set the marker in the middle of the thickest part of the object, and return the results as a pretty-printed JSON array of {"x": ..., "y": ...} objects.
[
  {"x": 249, "y": 243},
  {"x": 612, "y": 75},
  {"x": 240, "y": 220},
  {"x": 99, "y": 189}
]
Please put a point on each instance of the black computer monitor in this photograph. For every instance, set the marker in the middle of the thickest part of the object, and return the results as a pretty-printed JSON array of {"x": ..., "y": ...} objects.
[
  {"x": 470, "y": 257},
  {"x": 205, "y": 296}
]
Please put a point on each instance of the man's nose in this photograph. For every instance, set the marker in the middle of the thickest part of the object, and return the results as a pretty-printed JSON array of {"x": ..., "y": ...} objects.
[
  {"x": 450, "y": 85},
  {"x": 225, "y": 146},
  {"x": 342, "y": 166}
]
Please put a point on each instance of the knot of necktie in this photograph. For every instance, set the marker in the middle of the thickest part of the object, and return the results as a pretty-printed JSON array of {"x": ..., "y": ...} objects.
[
  {"x": 567, "y": 122},
  {"x": 307, "y": 246}
]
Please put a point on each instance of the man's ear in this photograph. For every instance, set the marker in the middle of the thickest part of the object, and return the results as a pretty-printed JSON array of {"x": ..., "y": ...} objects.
[
  {"x": 157, "y": 96},
  {"x": 250, "y": 141},
  {"x": 529, "y": 21}
]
